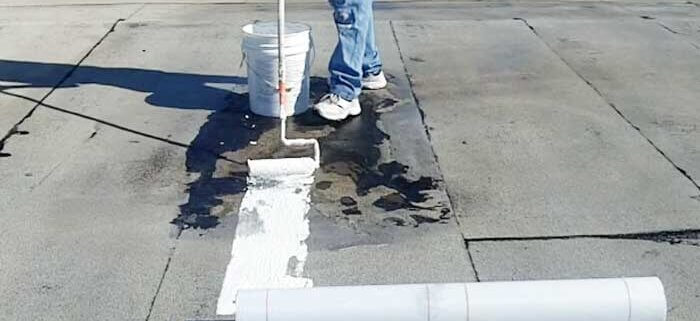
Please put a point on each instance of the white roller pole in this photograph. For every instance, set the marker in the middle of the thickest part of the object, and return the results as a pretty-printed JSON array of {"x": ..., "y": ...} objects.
[{"x": 621, "y": 299}]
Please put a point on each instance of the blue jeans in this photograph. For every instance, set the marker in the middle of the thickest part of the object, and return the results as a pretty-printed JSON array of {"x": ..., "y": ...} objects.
[{"x": 356, "y": 53}]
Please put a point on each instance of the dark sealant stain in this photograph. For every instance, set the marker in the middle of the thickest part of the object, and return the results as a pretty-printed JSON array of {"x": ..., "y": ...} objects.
[
  {"x": 352, "y": 211},
  {"x": 420, "y": 219},
  {"x": 12, "y": 132},
  {"x": 395, "y": 221},
  {"x": 392, "y": 202},
  {"x": 353, "y": 149},
  {"x": 349, "y": 148},
  {"x": 324, "y": 185},
  {"x": 348, "y": 201},
  {"x": 227, "y": 130}
]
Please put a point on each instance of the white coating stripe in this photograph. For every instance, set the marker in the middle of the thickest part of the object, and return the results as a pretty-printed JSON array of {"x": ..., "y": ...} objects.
[{"x": 268, "y": 250}]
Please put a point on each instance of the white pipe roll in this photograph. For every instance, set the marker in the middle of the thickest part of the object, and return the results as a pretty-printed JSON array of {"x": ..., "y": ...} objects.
[{"x": 620, "y": 299}]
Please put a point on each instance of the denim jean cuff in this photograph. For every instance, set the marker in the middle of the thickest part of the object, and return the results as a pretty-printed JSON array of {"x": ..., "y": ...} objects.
[{"x": 344, "y": 92}]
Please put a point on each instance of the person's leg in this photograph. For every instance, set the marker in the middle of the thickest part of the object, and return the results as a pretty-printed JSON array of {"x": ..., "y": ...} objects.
[
  {"x": 371, "y": 63},
  {"x": 352, "y": 20}
]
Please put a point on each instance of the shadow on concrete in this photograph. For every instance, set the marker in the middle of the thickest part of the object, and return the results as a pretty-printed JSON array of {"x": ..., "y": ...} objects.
[
  {"x": 229, "y": 127},
  {"x": 167, "y": 89}
]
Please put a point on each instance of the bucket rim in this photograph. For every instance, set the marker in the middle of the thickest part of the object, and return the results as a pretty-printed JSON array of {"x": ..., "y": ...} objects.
[{"x": 247, "y": 28}]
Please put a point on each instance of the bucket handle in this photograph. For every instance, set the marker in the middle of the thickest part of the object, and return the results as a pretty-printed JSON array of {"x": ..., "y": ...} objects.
[{"x": 310, "y": 59}]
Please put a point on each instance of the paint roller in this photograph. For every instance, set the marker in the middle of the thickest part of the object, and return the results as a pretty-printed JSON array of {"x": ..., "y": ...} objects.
[
  {"x": 285, "y": 166},
  {"x": 617, "y": 299}
]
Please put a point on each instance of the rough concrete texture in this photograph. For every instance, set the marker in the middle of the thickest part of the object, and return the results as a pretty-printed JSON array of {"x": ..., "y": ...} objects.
[
  {"x": 88, "y": 238},
  {"x": 145, "y": 78},
  {"x": 153, "y": 129},
  {"x": 527, "y": 147},
  {"x": 37, "y": 41},
  {"x": 191, "y": 106},
  {"x": 675, "y": 265},
  {"x": 683, "y": 28},
  {"x": 658, "y": 94},
  {"x": 344, "y": 249},
  {"x": 421, "y": 255}
]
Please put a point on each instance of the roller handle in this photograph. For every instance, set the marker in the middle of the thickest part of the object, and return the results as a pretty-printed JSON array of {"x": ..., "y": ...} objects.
[{"x": 281, "y": 68}]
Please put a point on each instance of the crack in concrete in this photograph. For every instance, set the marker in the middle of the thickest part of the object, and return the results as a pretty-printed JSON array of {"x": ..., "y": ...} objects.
[
  {"x": 14, "y": 130},
  {"x": 115, "y": 126},
  {"x": 612, "y": 105},
  {"x": 432, "y": 149},
  {"x": 685, "y": 237},
  {"x": 669, "y": 29},
  {"x": 471, "y": 260},
  {"x": 162, "y": 278},
  {"x": 136, "y": 11}
]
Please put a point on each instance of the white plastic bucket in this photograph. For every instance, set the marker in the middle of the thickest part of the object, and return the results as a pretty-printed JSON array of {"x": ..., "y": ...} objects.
[{"x": 260, "y": 52}]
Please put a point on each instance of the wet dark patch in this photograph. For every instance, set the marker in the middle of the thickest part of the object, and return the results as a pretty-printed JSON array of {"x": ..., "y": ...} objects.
[
  {"x": 394, "y": 221},
  {"x": 385, "y": 105},
  {"x": 416, "y": 59},
  {"x": 445, "y": 213},
  {"x": 348, "y": 201},
  {"x": 134, "y": 141},
  {"x": 218, "y": 155},
  {"x": 392, "y": 175},
  {"x": 324, "y": 185},
  {"x": 352, "y": 211},
  {"x": 647, "y": 17},
  {"x": 420, "y": 219},
  {"x": 392, "y": 202},
  {"x": 28, "y": 174},
  {"x": 196, "y": 221},
  {"x": 352, "y": 148}
]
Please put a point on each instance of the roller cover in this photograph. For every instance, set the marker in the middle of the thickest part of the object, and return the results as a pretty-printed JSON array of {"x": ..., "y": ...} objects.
[{"x": 281, "y": 167}]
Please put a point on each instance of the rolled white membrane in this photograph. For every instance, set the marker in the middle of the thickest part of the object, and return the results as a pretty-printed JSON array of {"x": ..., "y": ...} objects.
[{"x": 618, "y": 299}]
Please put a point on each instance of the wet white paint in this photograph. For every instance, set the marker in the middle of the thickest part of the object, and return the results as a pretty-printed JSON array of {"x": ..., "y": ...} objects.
[{"x": 269, "y": 249}]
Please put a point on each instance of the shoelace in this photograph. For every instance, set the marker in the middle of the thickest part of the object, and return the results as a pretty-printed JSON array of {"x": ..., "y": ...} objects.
[{"x": 332, "y": 97}]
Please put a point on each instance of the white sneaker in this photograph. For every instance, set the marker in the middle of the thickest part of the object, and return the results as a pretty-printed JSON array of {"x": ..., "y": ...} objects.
[
  {"x": 373, "y": 82},
  {"x": 332, "y": 107}
]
